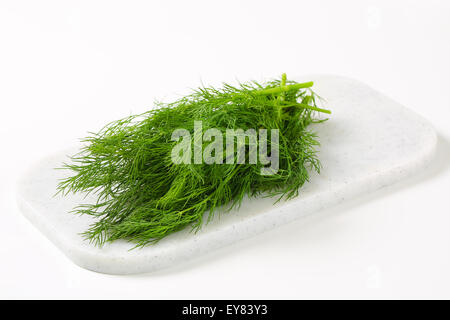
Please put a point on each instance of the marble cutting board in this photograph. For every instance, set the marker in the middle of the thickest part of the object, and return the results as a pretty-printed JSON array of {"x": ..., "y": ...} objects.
[{"x": 369, "y": 142}]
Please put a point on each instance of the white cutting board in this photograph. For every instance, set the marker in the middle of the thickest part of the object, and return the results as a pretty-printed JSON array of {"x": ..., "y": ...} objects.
[{"x": 369, "y": 142}]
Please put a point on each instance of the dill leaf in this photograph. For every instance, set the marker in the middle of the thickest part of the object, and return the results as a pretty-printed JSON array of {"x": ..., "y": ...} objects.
[{"x": 142, "y": 196}]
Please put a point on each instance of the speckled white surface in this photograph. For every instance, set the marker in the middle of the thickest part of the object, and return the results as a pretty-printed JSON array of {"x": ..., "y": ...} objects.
[{"x": 369, "y": 142}]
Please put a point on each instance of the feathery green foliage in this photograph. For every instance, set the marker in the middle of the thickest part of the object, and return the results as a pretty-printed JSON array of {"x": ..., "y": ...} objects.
[{"x": 143, "y": 196}]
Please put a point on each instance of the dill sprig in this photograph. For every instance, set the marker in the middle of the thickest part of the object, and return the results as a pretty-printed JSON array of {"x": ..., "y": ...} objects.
[{"x": 142, "y": 196}]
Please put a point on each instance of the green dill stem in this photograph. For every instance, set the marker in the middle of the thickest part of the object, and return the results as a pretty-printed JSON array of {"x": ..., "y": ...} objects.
[
  {"x": 282, "y": 96},
  {"x": 283, "y": 79},
  {"x": 283, "y": 83},
  {"x": 302, "y": 105},
  {"x": 284, "y": 88}
]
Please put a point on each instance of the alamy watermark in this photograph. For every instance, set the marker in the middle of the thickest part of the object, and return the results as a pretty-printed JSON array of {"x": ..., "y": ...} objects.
[{"x": 235, "y": 142}]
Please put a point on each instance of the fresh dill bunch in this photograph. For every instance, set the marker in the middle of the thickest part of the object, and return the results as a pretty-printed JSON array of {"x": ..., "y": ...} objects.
[{"x": 143, "y": 196}]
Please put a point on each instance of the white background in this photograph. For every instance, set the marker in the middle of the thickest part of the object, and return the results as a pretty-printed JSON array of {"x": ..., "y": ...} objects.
[{"x": 68, "y": 67}]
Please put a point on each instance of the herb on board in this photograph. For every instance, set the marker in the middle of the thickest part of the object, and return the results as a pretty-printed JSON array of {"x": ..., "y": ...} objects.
[{"x": 143, "y": 195}]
